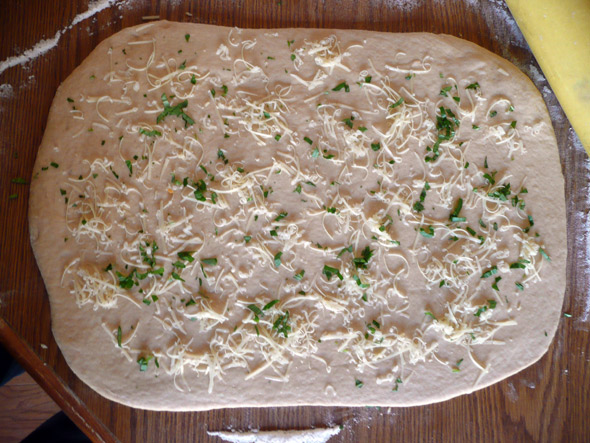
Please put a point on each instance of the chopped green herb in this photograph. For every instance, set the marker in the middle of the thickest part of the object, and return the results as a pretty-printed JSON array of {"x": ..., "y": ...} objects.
[
  {"x": 257, "y": 312},
  {"x": 429, "y": 233},
  {"x": 143, "y": 362},
  {"x": 444, "y": 91},
  {"x": 328, "y": 271},
  {"x": 501, "y": 193},
  {"x": 176, "y": 110},
  {"x": 362, "y": 261},
  {"x": 397, "y": 103},
  {"x": 269, "y": 305},
  {"x": 340, "y": 86},
  {"x": 359, "y": 384},
  {"x": 281, "y": 216},
  {"x": 344, "y": 250},
  {"x": 375, "y": 146},
  {"x": 473, "y": 86},
  {"x": 492, "y": 271},
  {"x": 544, "y": 254},
  {"x": 209, "y": 261},
  {"x": 281, "y": 324},
  {"x": 277, "y": 259},
  {"x": 308, "y": 140},
  {"x": 495, "y": 284},
  {"x": 154, "y": 133},
  {"x": 299, "y": 275},
  {"x": 455, "y": 214},
  {"x": 456, "y": 368}
]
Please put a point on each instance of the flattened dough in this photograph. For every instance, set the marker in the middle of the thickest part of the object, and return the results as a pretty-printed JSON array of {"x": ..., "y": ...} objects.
[{"x": 414, "y": 178}]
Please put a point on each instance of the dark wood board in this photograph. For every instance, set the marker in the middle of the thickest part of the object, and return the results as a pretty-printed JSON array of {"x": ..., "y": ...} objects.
[{"x": 546, "y": 402}]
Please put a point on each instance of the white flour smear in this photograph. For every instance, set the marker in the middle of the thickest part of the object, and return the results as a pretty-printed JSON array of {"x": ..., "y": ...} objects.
[
  {"x": 307, "y": 436},
  {"x": 404, "y": 5},
  {"x": 44, "y": 46},
  {"x": 6, "y": 91},
  {"x": 582, "y": 298}
]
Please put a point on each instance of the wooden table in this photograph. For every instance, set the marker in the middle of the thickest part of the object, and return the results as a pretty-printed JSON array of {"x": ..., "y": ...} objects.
[{"x": 547, "y": 402}]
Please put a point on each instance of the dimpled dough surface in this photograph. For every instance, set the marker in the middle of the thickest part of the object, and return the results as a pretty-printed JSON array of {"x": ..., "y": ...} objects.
[{"x": 238, "y": 217}]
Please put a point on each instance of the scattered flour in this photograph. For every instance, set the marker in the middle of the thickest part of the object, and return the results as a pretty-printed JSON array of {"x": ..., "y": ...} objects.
[
  {"x": 307, "y": 436},
  {"x": 44, "y": 46},
  {"x": 536, "y": 75},
  {"x": 6, "y": 91},
  {"x": 582, "y": 297},
  {"x": 93, "y": 8},
  {"x": 404, "y": 5},
  {"x": 510, "y": 392},
  {"x": 39, "y": 49}
]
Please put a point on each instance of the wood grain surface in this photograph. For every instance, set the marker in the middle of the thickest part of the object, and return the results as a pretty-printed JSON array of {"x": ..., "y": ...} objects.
[
  {"x": 546, "y": 402},
  {"x": 24, "y": 407}
]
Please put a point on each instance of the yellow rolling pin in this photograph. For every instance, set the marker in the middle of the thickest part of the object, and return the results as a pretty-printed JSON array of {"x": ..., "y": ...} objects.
[{"x": 558, "y": 32}]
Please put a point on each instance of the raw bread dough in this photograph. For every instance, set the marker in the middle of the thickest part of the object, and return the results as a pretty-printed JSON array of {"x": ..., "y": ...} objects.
[{"x": 344, "y": 154}]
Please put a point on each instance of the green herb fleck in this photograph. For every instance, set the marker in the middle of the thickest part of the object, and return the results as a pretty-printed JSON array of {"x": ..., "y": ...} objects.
[{"x": 340, "y": 86}]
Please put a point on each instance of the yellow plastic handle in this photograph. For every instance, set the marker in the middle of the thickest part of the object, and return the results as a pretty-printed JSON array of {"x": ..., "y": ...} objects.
[{"x": 558, "y": 32}]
